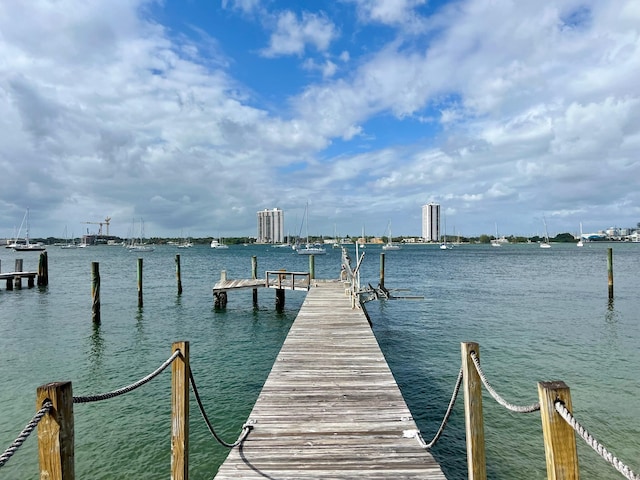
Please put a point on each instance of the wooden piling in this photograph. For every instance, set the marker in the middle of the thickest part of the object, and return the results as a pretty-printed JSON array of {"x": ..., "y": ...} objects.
[
  {"x": 43, "y": 270},
  {"x": 610, "y": 271},
  {"x": 180, "y": 412},
  {"x": 312, "y": 267},
  {"x": 559, "y": 438},
  {"x": 382, "y": 269},
  {"x": 178, "y": 275},
  {"x": 95, "y": 292},
  {"x": 17, "y": 281},
  {"x": 254, "y": 276},
  {"x": 55, "y": 432},
  {"x": 474, "y": 423},
  {"x": 140, "y": 301}
]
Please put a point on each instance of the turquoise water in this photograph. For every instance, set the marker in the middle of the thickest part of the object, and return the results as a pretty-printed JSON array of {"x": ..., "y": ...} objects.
[{"x": 537, "y": 315}]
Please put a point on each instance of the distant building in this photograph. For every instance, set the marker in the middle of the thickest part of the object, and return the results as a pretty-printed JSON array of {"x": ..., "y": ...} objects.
[
  {"x": 270, "y": 226},
  {"x": 431, "y": 222}
]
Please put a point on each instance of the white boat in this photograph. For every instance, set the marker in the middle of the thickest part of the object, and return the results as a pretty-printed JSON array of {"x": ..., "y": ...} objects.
[
  {"x": 308, "y": 248},
  {"x": 69, "y": 244},
  {"x": 27, "y": 246},
  {"x": 444, "y": 245},
  {"x": 545, "y": 243},
  {"x": 390, "y": 245},
  {"x": 184, "y": 243},
  {"x": 496, "y": 242},
  {"x": 580, "y": 242},
  {"x": 138, "y": 244},
  {"x": 218, "y": 244}
]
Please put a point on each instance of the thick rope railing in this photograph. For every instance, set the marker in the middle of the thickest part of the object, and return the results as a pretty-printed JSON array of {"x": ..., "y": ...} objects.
[
  {"x": 128, "y": 388},
  {"x": 514, "y": 408},
  {"x": 246, "y": 428},
  {"x": 447, "y": 414},
  {"x": 30, "y": 427},
  {"x": 593, "y": 443}
]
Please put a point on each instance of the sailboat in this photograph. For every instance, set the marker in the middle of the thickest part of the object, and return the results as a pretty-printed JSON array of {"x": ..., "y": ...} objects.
[
  {"x": 443, "y": 245},
  {"x": 545, "y": 243},
  {"x": 309, "y": 249},
  {"x": 390, "y": 245},
  {"x": 70, "y": 243},
  {"x": 580, "y": 242},
  {"x": 495, "y": 242},
  {"x": 28, "y": 246},
  {"x": 138, "y": 245}
]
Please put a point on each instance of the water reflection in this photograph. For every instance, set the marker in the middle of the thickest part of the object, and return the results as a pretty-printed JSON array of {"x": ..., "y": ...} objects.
[{"x": 97, "y": 346}]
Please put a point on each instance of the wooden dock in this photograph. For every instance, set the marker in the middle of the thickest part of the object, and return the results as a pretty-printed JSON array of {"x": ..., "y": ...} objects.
[{"x": 330, "y": 408}]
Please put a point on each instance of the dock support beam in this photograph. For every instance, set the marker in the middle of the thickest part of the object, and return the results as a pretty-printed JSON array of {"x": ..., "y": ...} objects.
[
  {"x": 474, "y": 423},
  {"x": 43, "y": 271},
  {"x": 55, "y": 432},
  {"x": 17, "y": 281}
]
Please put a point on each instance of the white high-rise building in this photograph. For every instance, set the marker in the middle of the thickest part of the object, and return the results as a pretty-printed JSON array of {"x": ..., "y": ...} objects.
[
  {"x": 270, "y": 226},
  {"x": 431, "y": 222}
]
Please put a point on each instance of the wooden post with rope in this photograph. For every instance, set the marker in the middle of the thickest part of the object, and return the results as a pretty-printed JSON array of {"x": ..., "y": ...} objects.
[
  {"x": 559, "y": 438},
  {"x": 95, "y": 292},
  {"x": 474, "y": 423},
  {"x": 180, "y": 412},
  {"x": 55, "y": 432}
]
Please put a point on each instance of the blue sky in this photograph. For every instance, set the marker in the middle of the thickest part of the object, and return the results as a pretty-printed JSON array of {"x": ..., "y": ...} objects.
[{"x": 195, "y": 114}]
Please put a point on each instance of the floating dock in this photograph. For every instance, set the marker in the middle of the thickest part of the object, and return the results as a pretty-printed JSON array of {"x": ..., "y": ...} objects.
[{"x": 330, "y": 407}]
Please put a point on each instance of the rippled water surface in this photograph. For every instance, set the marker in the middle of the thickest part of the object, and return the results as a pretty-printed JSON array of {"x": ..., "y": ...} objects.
[{"x": 537, "y": 314}]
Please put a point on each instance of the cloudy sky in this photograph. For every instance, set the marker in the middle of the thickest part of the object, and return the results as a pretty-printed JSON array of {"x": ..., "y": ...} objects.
[{"x": 195, "y": 114}]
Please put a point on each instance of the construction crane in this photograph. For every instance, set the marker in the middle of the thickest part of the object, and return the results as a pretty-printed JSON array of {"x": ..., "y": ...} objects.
[{"x": 105, "y": 222}]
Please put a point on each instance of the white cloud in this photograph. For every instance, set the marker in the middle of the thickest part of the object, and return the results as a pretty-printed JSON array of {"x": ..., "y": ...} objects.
[{"x": 292, "y": 35}]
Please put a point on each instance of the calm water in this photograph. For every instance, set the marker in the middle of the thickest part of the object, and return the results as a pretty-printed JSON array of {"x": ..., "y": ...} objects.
[{"x": 537, "y": 315}]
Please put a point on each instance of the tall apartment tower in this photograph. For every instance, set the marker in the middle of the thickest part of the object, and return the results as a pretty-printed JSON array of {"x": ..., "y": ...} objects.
[
  {"x": 270, "y": 226},
  {"x": 431, "y": 222}
]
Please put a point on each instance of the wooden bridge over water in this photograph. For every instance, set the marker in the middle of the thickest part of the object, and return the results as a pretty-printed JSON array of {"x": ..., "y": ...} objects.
[{"x": 330, "y": 407}]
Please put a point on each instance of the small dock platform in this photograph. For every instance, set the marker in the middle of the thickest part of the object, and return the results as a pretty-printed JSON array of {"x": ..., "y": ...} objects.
[
  {"x": 279, "y": 279},
  {"x": 330, "y": 407},
  {"x": 15, "y": 279}
]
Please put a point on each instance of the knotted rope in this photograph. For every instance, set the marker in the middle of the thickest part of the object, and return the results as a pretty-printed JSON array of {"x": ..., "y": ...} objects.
[
  {"x": 30, "y": 427},
  {"x": 593, "y": 443},
  {"x": 514, "y": 408}
]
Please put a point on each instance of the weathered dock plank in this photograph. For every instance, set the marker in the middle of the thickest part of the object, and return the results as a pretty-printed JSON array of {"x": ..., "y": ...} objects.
[{"x": 330, "y": 407}]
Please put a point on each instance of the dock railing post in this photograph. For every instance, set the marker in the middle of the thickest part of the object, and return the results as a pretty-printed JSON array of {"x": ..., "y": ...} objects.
[
  {"x": 95, "y": 292},
  {"x": 474, "y": 423},
  {"x": 312, "y": 267},
  {"x": 178, "y": 274},
  {"x": 559, "y": 438},
  {"x": 55, "y": 432},
  {"x": 180, "y": 412},
  {"x": 254, "y": 276}
]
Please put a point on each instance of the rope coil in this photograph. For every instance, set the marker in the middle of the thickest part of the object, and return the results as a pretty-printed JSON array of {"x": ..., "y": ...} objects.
[
  {"x": 30, "y": 427},
  {"x": 593, "y": 443},
  {"x": 514, "y": 408}
]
